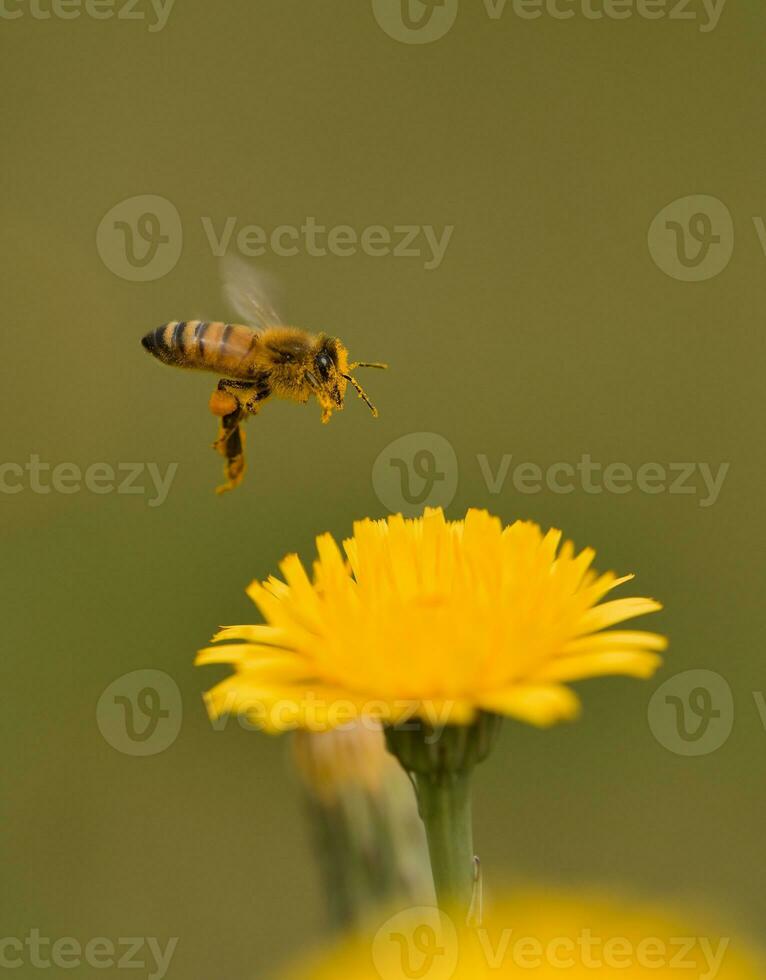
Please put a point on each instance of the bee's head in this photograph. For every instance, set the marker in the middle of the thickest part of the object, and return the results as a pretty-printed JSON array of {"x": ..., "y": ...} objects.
[
  {"x": 329, "y": 370},
  {"x": 332, "y": 374}
]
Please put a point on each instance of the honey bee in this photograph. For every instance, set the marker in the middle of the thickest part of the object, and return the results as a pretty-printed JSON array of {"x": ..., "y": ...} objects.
[{"x": 256, "y": 360}]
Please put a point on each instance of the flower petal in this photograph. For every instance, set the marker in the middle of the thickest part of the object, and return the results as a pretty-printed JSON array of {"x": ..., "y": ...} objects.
[
  {"x": 538, "y": 704},
  {"x": 629, "y": 663}
]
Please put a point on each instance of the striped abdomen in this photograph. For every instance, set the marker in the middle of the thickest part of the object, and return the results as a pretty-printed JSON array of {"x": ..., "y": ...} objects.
[{"x": 224, "y": 348}]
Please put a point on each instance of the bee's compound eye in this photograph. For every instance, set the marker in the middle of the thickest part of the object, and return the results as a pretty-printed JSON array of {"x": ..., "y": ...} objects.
[{"x": 324, "y": 364}]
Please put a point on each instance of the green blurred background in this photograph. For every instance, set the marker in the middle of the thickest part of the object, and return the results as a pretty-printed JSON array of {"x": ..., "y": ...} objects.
[{"x": 547, "y": 332}]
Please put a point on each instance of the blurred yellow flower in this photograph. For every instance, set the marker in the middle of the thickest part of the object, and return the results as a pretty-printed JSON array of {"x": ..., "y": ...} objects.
[
  {"x": 369, "y": 839},
  {"x": 352, "y": 758},
  {"x": 540, "y": 935},
  {"x": 431, "y": 618}
]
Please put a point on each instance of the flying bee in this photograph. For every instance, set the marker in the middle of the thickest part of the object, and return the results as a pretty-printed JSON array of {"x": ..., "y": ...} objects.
[{"x": 256, "y": 360}]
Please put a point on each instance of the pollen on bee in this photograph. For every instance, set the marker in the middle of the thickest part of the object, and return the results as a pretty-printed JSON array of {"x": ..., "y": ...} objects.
[{"x": 222, "y": 403}]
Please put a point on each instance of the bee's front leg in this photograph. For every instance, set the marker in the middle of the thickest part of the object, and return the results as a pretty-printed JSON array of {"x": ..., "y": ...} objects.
[{"x": 326, "y": 405}]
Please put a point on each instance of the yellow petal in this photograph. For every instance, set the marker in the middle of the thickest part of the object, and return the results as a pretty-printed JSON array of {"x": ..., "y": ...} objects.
[
  {"x": 630, "y": 663},
  {"x": 252, "y": 634},
  {"x": 610, "y": 613},
  {"x": 538, "y": 704},
  {"x": 617, "y": 639}
]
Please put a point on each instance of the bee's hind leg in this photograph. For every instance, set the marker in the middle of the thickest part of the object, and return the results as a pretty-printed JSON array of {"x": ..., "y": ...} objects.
[
  {"x": 231, "y": 445},
  {"x": 231, "y": 438},
  {"x": 225, "y": 405}
]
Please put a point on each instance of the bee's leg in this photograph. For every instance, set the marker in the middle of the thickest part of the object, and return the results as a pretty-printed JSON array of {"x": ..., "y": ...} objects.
[
  {"x": 231, "y": 444},
  {"x": 261, "y": 390},
  {"x": 231, "y": 438},
  {"x": 224, "y": 404}
]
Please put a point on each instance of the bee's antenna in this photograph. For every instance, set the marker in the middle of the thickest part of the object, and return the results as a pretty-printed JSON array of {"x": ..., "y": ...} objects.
[
  {"x": 361, "y": 392},
  {"x": 375, "y": 364}
]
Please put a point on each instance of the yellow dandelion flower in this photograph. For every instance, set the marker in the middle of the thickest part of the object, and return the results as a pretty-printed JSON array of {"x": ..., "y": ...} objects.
[
  {"x": 541, "y": 935},
  {"x": 437, "y": 629},
  {"x": 430, "y": 618}
]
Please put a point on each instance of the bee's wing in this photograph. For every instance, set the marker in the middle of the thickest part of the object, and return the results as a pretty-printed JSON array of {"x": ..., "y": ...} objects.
[{"x": 249, "y": 292}]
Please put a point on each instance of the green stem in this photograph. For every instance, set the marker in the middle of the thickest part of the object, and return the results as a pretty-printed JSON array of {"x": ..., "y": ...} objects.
[
  {"x": 444, "y": 800},
  {"x": 440, "y": 762}
]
